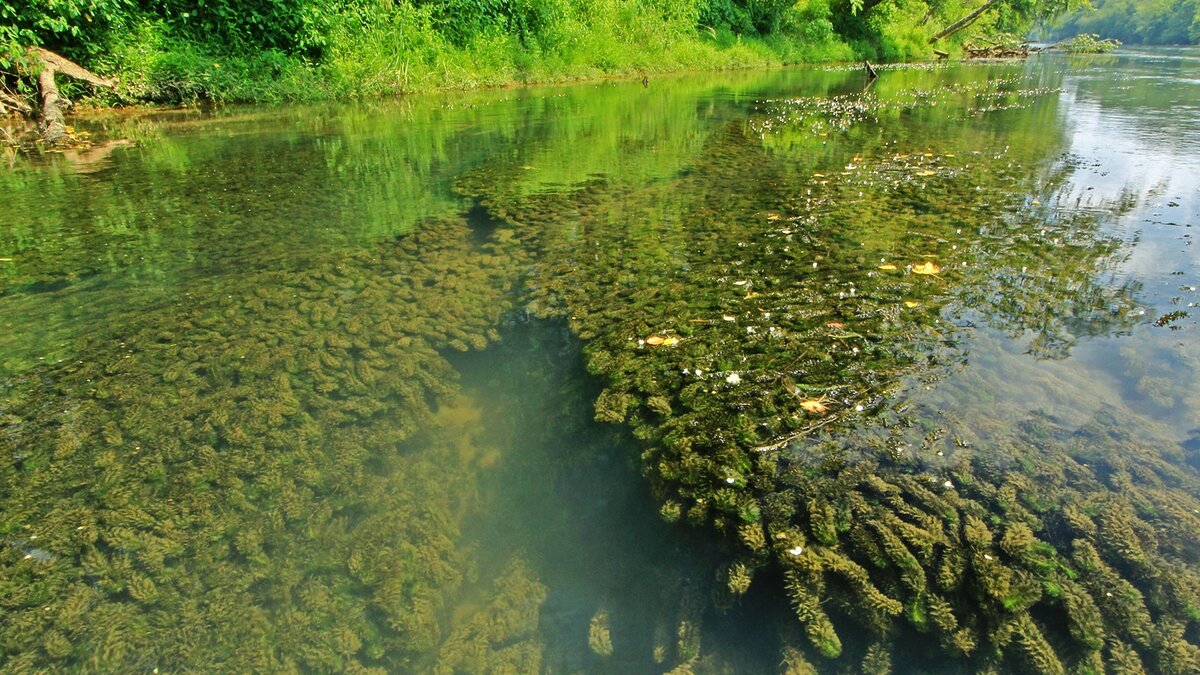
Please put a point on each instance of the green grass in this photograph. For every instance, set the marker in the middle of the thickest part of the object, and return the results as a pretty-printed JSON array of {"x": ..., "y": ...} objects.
[{"x": 404, "y": 52}]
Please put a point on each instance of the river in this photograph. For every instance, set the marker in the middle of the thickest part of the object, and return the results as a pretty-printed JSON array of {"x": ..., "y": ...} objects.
[{"x": 726, "y": 373}]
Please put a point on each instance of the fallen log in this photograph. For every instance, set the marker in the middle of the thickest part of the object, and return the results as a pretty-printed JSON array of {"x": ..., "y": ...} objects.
[
  {"x": 51, "y": 120},
  {"x": 53, "y": 125},
  {"x": 997, "y": 51},
  {"x": 70, "y": 68}
]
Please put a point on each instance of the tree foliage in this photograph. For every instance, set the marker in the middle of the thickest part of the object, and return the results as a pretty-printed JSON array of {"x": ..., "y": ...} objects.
[
  {"x": 1150, "y": 22},
  {"x": 188, "y": 49}
]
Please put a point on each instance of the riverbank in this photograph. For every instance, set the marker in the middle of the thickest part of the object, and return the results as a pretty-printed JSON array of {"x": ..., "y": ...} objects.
[
  {"x": 356, "y": 55},
  {"x": 374, "y": 67},
  {"x": 298, "y": 51}
]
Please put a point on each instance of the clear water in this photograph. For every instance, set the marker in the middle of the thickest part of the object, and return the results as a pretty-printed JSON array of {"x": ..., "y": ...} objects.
[{"x": 305, "y": 388}]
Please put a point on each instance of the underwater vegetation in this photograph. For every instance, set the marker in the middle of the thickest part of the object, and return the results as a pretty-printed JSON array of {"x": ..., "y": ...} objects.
[
  {"x": 166, "y": 474},
  {"x": 259, "y": 473},
  {"x": 757, "y": 321}
]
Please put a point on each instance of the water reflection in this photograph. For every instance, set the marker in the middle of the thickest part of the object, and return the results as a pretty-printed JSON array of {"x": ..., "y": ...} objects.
[
  {"x": 774, "y": 354},
  {"x": 304, "y": 391}
]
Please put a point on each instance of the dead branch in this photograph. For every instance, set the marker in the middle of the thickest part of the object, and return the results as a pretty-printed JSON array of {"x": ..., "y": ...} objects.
[
  {"x": 998, "y": 51},
  {"x": 963, "y": 22},
  {"x": 10, "y": 102}
]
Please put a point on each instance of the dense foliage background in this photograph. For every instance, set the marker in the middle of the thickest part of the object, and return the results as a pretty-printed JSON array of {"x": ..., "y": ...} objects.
[
  {"x": 1147, "y": 22},
  {"x": 188, "y": 50}
]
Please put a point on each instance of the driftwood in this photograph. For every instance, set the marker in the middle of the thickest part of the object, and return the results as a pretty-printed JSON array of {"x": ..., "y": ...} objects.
[
  {"x": 46, "y": 65},
  {"x": 999, "y": 51}
]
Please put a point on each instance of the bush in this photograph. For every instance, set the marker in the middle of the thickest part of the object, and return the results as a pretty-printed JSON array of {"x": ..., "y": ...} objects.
[{"x": 1089, "y": 43}]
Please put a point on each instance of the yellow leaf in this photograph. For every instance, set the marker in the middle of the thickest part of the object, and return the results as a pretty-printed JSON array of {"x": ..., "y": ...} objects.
[
  {"x": 668, "y": 341},
  {"x": 926, "y": 173},
  {"x": 655, "y": 340},
  {"x": 911, "y": 304},
  {"x": 926, "y": 268},
  {"x": 813, "y": 405},
  {"x": 887, "y": 266}
]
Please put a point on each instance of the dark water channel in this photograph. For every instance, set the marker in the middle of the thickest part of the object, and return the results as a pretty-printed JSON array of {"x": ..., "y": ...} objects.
[{"x": 741, "y": 373}]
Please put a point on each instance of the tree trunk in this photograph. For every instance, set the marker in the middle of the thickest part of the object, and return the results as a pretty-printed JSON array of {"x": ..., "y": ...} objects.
[
  {"x": 963, "y": 22},
  {"x": 51, "y": 122},
  {"x": 52, "y": 125},
  {"x": 69, "y": 68}
]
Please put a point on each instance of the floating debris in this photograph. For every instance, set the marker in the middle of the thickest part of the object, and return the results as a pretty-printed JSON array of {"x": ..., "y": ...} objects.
[{"x": 813, "y": 405}]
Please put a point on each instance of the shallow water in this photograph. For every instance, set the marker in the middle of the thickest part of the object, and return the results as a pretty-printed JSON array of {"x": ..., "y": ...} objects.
[{"x": 305, "y": 388}]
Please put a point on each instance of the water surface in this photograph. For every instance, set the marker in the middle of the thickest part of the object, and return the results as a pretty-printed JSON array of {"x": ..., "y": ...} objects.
[{"x": 713, "y": 375}]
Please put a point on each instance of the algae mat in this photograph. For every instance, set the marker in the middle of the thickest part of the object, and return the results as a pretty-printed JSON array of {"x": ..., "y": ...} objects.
[{"x": 886, "y": 378}]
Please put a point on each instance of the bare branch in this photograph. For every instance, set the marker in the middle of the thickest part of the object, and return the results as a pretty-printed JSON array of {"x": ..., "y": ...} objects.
[
  {"x": 10, "y": 101},
  {"x": 963, "y": 22}
]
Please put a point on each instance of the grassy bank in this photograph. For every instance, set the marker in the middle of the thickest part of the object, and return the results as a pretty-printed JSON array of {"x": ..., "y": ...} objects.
[
  {"x": 405, "y": 52},
  {"x": 184, "y": 51}
]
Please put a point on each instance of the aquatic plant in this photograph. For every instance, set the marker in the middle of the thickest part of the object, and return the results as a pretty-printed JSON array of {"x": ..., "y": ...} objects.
[
  {"x": 757, "y": 340},
  {"x": 167, "y": 473},
  {"x": 249, "y": 476},
  {"x": 502, "y": 636},
  {"x": 599, "y": 634}
]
